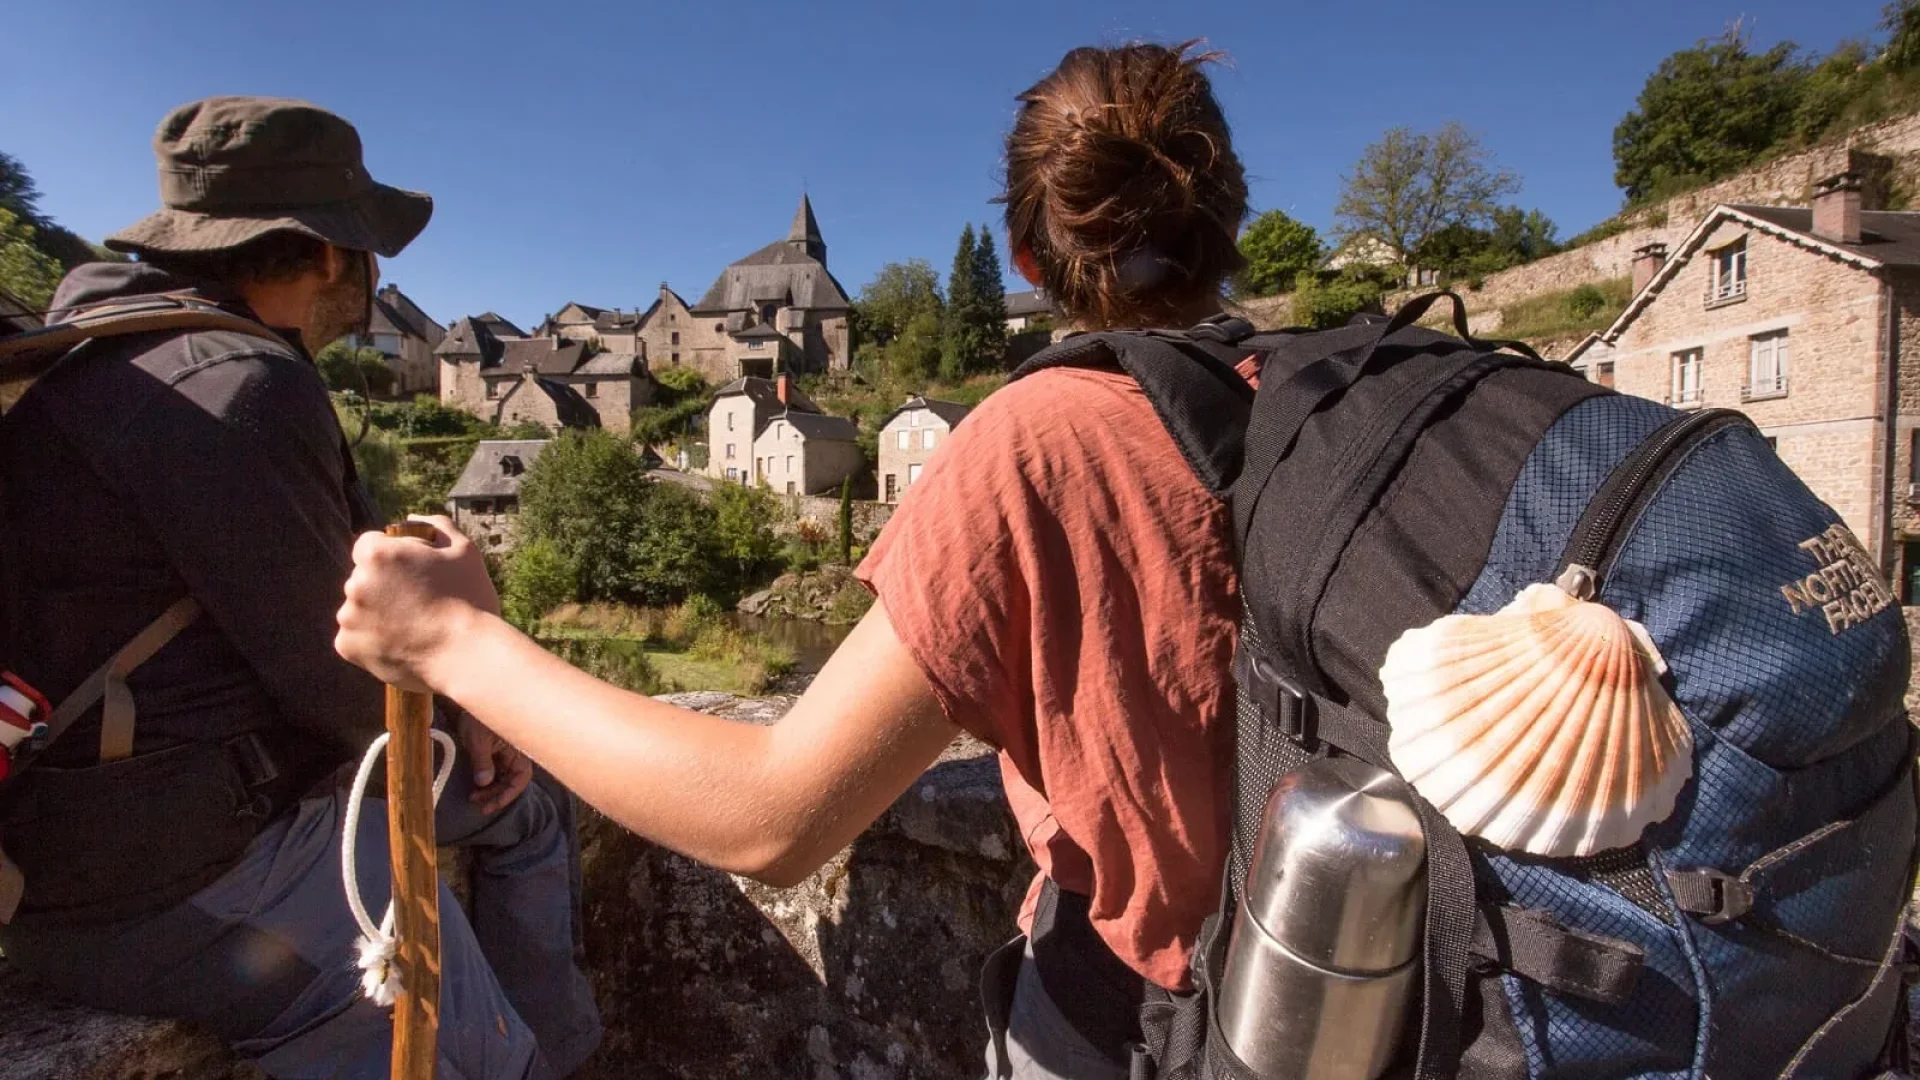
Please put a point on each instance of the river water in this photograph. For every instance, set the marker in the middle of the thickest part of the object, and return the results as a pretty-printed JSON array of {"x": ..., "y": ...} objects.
[{"x": 811, "y": 642}]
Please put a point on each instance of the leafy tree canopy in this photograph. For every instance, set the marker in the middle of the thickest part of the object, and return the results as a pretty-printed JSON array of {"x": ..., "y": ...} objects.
[
  {"x": 896, "y": 294},
  {"x": 1277, "y": 248},
  {"x": 1411, "y": 184}
]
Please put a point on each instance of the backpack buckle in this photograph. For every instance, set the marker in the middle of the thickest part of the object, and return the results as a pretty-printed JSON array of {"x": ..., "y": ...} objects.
[
  {"x": 1270, "y": 690},
  {"x": 1713, "y": 895}
]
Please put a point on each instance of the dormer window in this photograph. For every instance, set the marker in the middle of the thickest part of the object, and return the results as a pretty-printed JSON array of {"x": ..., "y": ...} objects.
[
  {"x": 510, "y": 465},
  {"x": 1727, "y": 274}
]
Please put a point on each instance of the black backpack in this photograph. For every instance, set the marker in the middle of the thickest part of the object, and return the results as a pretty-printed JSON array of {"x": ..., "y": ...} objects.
[{"x": 1385, "y": 476}]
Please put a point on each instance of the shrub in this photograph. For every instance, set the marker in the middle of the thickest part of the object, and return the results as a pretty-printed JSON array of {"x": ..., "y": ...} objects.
[
  {"x": 1326, "y": 303},
  {"x": 850, "y": 605},
  {"x": 539, "y": 578},
  {"x": 1586, "y": 301}
]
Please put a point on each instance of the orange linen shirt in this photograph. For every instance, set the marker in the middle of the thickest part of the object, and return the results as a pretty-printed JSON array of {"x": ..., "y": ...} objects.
[{"x": 1068, "y": 588}]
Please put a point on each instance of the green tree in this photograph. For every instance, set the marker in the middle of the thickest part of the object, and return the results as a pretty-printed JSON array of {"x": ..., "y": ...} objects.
[
  {"x": 1410, "y": 185},
  {"x": 539, "y": 578},
  {"x": 21, "y": 195},
  {"x": 916, "y": 354},
  {"x": 1513, "y": 237},
  {"x": 743, "y": 519},
  {"x": 343, "y": 369},
  {"x": 896, "y": 294},
  {"x": 1901, "y": 21},
  {"x": 677, "y": 554},
  {"x": 960, "y": 346},
  {"x": 1277, "y": 248},
  {"x": 25, "y": 271},
  {"x": 1324, "y": 303},
  {"x": 989, "y": 297},
  {"x": 846, "y": 520},
  {"x": 1705, "y": 113}
]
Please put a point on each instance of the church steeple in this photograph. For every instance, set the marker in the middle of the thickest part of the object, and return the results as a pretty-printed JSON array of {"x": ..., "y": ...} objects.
[{"x": 805, "y": 234}]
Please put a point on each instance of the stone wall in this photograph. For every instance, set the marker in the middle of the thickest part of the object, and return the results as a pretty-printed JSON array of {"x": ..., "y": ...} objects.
[
  {"x": 867, "y": 970},
  {"x": 868, "y": 517}
]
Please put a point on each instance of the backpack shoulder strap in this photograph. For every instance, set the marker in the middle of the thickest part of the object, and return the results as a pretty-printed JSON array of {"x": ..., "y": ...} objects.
[
  {"x": 1201, "y": 401},
  {"x": 26, "y": 355}
]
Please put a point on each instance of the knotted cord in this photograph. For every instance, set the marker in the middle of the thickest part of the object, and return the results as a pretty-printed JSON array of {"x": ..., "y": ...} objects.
[{"x": 379, "y": 975}]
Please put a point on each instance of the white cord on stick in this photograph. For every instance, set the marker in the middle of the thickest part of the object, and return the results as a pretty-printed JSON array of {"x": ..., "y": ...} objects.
[{"x": 379, "y": 975}]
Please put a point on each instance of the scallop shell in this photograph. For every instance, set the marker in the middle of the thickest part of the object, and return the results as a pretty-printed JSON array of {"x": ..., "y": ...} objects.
[{"x": 1542, "y": 727}]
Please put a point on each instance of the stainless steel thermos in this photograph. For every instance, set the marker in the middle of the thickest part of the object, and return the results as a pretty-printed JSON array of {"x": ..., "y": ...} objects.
[{"x": 1326, "y": 941}]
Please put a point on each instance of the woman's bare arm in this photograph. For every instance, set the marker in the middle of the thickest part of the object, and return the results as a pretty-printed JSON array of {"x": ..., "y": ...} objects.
[{"x": 770, "y": 802}]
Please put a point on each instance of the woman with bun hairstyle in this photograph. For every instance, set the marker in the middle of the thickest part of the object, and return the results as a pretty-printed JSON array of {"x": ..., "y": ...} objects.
[{"x": 1058, "y": 583}]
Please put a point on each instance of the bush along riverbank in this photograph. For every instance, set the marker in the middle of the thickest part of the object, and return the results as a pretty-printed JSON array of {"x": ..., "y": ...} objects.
[{"x": 663, "y": 650}]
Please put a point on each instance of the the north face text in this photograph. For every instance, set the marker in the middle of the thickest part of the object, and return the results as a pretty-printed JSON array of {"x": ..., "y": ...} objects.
[{"x": 1847, "y": 588}]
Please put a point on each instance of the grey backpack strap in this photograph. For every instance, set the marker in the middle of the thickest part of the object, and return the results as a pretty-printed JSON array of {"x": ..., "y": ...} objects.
[{"x": 108, "y": 684}]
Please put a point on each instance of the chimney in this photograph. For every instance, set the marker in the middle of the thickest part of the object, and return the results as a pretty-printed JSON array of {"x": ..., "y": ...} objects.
[
  {"x": 1836, "y": 209},
  {"x": 783, "y": 386},
  {"x": 1647, "y": 262}
]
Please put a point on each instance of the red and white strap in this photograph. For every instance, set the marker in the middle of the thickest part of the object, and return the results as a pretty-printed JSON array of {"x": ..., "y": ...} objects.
[{"x": 23, "y": 711}]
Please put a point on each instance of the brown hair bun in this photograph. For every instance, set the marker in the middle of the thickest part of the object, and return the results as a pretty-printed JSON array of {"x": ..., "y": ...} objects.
[{"x": 1123, "y": 183}]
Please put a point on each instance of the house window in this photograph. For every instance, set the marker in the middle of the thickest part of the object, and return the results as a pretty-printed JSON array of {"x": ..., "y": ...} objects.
[
  {"x": 729, "y": 422},
  {"x": 676, "y": 338},
  {"x": 1602, "y": 373},
  {"x": 754, "y": 344},
  {"x": 913, "y": 418},
  {"x": 482, "y": 506},
  {"x": 1729, "y": 274},
  {"x": 789, "y": 462},
  {"x": 913, "y": 473},
  {"x": 1913, "y": 456},
  {"x": 789, "y": 487},
  {"x": 732, "y": 473},
  {"x": 778, "y": 428},
  {"x": 893, "y": 486},
  {"x": 593, "y": 389},
  {"x": 670, "y": 322},
  {"x": 676, "y": 358},
  {"x": 719, "y": 328},
  {"x": 729, "y": 452},
  {"x": 1909, "y": 571},
  {"x": 493, "y": 389},
  {"x": 926, "y": 439},
  {"x": 904, "y": 436},
  {"x": 1767, "y": 366},
  {"x": 759, "y": 466},
  {"x": 766, "y": 314},
  {"x": 1685, "y": 387}
]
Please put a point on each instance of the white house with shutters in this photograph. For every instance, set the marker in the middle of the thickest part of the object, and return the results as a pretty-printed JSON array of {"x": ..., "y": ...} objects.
[{"x": 909, "y": 438}]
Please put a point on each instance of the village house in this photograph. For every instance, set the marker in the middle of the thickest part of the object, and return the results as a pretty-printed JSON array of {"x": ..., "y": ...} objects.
[
  {"x": 486, "y": 498},
  {"x": 1806, "y": 319},
  {"x": 610, "y": 328},
  {"x": 777, "y": 310},
  {"x": 670, "y": 337},
  {"x": 398, "y": 330},
  {"x": 909, "y": 436},
  {"x": 767, "y": 431},
  {"x": 1030, "y": 310},
  {"x": 554, "y": 382},
  {"x": 497, "y": 325}
]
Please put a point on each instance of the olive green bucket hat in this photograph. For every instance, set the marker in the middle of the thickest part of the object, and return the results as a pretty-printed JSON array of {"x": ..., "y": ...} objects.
[{"x": 233, "y": 169}]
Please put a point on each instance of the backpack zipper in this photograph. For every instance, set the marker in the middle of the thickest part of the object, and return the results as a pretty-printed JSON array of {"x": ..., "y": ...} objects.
[{"x": 1632, "y": 484}]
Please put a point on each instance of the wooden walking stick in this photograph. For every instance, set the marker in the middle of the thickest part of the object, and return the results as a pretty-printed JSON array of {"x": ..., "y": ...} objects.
[{"x": 416, "y": 880}]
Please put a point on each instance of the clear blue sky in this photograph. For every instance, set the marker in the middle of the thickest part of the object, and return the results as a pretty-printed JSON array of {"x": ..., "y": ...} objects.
[{"x": 588, "y": 151}]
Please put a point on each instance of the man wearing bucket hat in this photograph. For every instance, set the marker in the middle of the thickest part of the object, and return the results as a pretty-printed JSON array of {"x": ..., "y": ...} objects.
[{"x": 177, "y": 512}]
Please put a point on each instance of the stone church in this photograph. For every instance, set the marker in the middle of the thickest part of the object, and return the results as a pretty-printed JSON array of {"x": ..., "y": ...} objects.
[{"x": 778, "y": 310}]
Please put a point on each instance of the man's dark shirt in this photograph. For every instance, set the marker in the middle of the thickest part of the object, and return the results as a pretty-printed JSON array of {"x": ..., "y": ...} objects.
[{"x": 147, "y": 468}]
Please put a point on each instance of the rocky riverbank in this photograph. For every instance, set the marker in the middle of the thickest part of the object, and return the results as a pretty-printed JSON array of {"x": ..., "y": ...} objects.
[{"x": 829, "y": 594}]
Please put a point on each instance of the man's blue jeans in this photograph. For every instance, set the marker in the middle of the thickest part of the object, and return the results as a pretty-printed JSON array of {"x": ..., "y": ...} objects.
[{"x": 265, "y": 955}]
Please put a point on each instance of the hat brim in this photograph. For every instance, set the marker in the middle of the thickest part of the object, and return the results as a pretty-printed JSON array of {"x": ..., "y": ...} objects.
[{"x": 384, "y": 221}]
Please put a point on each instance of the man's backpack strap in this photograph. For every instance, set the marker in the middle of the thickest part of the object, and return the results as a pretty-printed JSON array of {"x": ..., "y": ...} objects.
[
  {"x": 25, "y": 356},
  {"x": 107, "y": 685},
  {"x": 1201, "y": 401}
]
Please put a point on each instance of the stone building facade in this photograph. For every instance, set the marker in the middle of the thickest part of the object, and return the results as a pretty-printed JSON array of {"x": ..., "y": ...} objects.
[
  {"x": 777, "y": 310},
  {"x": 768, "y": 431},
  {"x": 401, "y": 332},
  {"x": 908, "y": 438},
  {"x": 551, "y": 381},
  {"x": 1801, "y": 317},
  {"x": 486, "y": 499}
]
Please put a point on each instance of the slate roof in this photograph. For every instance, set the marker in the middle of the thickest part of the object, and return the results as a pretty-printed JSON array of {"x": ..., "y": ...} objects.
[
  {"x": 791, "y": 272},
  {"x": 759, "y": 330},
  {"x": 469, "y": 337},
  {"x": 394, "y": 312},
  {"x": 541, "y": 356},
  {"x": 818, "y": 426},
  {"x": 484, "y": 477},
  {"x": 498, "y": 325},
  {"x": 620, "y": 321},
  {"x": 950, "y": 411},
  {"x": 1030, "y": 302},
  {"x": 763, "y": 392},
  {"x": 588, "y": 310},
  {"x": 613, "y": 363},
  {"x": 1889, "y": 237}
]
